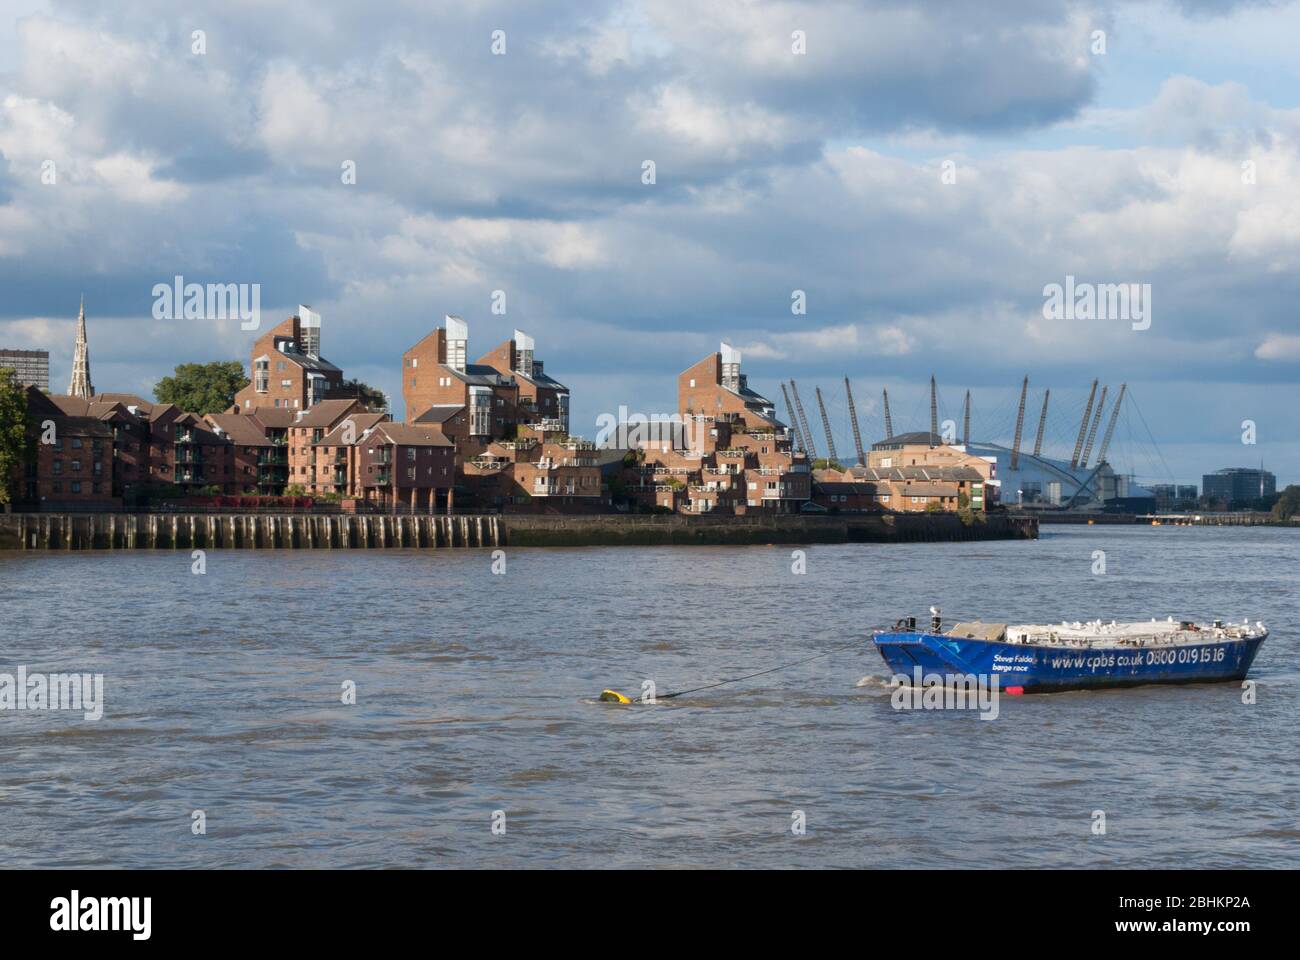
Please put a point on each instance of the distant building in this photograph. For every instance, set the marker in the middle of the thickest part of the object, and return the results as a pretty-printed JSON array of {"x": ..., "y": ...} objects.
[
  {"x": 1041, "y": 482},
  {"x": 1238, "y": 486},
  {"x": 31, "y": 366},
  {"x": 1170, "y": 496}
]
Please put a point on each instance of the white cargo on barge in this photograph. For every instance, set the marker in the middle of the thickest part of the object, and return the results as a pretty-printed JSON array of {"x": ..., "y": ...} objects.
[{"x": 1098, "y": 633}]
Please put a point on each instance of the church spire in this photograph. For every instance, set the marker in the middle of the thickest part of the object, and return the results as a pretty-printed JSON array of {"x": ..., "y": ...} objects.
[{"x": 80, "y": 385}]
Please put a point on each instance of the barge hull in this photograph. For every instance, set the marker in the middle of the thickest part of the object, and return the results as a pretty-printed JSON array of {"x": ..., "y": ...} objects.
[{"x": 1035, "y": 668}]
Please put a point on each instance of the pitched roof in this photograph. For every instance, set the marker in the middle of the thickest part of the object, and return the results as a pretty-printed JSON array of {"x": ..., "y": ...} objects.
[
  {"x": 326, "y": 413},
  {"x": 481, "y": 375},
  {"x": 242, "y": 430},
  {"x": 540, "y": 378},
  {"x": 83, "y": 427},
  {"x": 841, "y": 488},
  {"x": 411, "y": 435},
  {"x": 306, "y": 361},
  {"x": 363, "y": 421},
  {"x": 916, "y": 438},
  {"x": 944, "y": 474},
  {"x": 275, "y": 418},
  {"x": 126, "y": 399},
  {"x": 928, "y": 490},
  {"x": 440, "y": 413}
]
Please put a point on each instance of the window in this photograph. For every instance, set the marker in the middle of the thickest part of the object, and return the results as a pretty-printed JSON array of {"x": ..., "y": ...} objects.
[
  {"x": 76, "y": 466},
  {"x": 692, "y": 382},
  {"x": 58, "y": 466},
  {"x": 410, "y": 473},
  {"x": 279, "y": 364},
  {"x": 76, "y": 443},
  {"x": 56, "y": 487},
  {"x": 410, "y": 453},
  {"x": 76, "y": 486}
]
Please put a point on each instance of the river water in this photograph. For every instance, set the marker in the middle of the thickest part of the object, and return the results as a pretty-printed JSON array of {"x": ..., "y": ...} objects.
[{"x": 475, "y": 693}]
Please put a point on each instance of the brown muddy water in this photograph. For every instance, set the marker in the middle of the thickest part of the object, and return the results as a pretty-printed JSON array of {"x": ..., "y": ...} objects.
[{"x": 475, "y": 693}]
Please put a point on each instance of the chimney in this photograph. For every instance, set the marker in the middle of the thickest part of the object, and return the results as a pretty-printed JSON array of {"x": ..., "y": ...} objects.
[
  {"x": 730, "y": 367},
  {"x": 523, "y": 353},
  {"x": 457, "y": 342},
  {"x": 310, "y": 327}
]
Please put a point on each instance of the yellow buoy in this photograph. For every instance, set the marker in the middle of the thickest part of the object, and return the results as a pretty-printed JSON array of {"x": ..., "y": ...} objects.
[{"x": 613, "y": 696}]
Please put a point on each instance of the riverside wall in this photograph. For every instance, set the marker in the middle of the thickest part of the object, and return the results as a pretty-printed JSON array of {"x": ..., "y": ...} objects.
[{"x": 113, "y": 531}]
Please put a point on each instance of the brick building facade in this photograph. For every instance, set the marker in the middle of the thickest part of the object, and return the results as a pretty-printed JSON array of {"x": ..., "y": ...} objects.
[{"x": 731, "y": 454}]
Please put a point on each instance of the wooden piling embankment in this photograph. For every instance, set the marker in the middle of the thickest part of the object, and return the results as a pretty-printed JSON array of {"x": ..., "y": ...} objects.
[
  {"x": 133, "y": 531},
  {"x": 137, "y": 531}
]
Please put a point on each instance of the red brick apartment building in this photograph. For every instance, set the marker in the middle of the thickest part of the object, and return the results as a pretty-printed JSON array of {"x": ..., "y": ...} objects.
[
  {"x": 733, "y": 455},
  {"x": 108, "y": 450},
  {"x": 508, "y": 420},
  {"x": 287, "y": 370}
]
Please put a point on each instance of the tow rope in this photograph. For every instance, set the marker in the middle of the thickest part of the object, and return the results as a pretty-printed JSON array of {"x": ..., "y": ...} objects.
[{"x": 613, "y": 696}]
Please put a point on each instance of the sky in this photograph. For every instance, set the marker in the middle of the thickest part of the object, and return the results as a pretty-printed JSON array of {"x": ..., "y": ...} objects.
[{"x": 920, "y": 171}]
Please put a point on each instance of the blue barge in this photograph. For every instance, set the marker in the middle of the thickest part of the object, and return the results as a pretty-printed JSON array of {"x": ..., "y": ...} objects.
[{"x": 1035, "y": 658}]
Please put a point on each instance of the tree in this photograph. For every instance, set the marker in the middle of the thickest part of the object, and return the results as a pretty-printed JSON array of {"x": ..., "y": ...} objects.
[
  {"x": 15, "y": 442},
  {"x": 1288, "y": 503},
  {"x": 202, "y": 387},
  {"x": 374, "y": 398}
]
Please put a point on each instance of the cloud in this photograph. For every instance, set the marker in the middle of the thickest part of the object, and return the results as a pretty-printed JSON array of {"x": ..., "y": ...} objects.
[
  {"x": 776, "y": 172},
  {"x": 1279, "y": 347}
]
